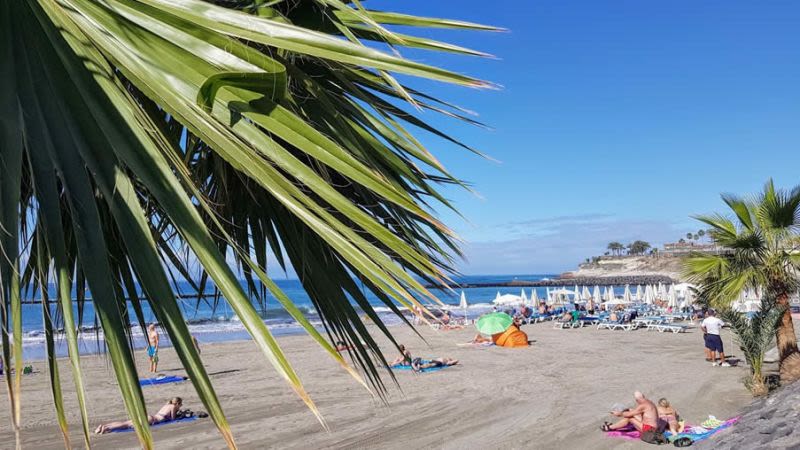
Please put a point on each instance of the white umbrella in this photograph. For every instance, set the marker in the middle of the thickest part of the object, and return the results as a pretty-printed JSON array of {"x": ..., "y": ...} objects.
[
  {"x": 497, "y": 297},
  {"x": 577, "y": 293},
  {"x": 627, "y": 294},
  {"x": 639, "y": 296},
  {"x": 463, "y": 305},
  {"x": 508, "y": 300},
  {"x": 585, "y": 293},
  {"x": 596, "y": 294},
  {"x": 672, "y": 300},
  {"x": 662, "y": 291},
  {"x": 523, "y": 296},
  {"x": 534, "y": 297},
  {"x": 688, "y": 298}
]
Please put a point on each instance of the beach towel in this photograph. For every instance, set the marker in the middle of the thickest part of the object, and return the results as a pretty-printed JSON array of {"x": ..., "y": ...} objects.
[
  {"x": 430, "y": 369},
  {"x": 696, "y": 433},
  {"x": 475, "y": 344},
  {"x": 166, "y": 422},
  {"x": 161, "y": 380}
]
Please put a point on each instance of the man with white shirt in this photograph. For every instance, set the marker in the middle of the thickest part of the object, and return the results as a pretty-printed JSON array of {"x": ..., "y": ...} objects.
[{"x": 712, "y": 326}]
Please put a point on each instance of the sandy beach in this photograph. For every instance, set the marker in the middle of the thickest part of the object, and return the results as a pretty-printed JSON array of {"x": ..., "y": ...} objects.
[{"x": 554, "y": 394}]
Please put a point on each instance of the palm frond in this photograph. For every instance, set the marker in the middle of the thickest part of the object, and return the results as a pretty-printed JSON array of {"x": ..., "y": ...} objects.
[{"x": 147, "y": 140}]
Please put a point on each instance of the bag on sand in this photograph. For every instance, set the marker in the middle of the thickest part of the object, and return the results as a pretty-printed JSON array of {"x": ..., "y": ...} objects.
[{"x": 654, "y": 437}]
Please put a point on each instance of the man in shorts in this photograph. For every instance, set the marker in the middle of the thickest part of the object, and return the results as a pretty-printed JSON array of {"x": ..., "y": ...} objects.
[{"x": 712, "y": 326}]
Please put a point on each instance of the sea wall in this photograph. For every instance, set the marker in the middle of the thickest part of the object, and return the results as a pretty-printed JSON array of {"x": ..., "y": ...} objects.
[
  {"x": 768, "y": 423},
  {"x": 619, "y": 280}
]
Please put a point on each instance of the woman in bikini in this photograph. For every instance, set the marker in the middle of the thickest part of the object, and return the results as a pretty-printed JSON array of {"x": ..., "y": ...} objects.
[
  {"x": 167, "y": 412},
  {"x": 404, "y": 359},
  {"x": 668, "y": 414}
]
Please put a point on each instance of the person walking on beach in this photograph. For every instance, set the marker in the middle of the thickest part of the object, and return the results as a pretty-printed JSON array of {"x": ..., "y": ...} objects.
[
  {"x": 152, "y": 347},
  {"x": 711, "y": 327}
]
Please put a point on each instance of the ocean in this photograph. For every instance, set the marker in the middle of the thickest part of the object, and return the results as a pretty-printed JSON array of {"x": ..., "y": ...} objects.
[{"x": 210, "y": 323}]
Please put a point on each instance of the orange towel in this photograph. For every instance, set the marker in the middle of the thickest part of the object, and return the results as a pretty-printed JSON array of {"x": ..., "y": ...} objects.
[{"x": 512, "y": 337}]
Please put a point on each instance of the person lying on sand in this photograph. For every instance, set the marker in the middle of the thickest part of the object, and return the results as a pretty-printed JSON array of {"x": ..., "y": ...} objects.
[
  {"x": 167, "y": 412},
  {"x": 480, "y": 339},
  {"x": 668, "y": 415},
  {"x": 418, "y": 365},
  {"x": 404, "y": 359},
  {"x": 341, "y": 346}
]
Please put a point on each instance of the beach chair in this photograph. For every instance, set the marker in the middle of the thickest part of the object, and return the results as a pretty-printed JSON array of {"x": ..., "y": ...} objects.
[{"x": 671, "y": 327}]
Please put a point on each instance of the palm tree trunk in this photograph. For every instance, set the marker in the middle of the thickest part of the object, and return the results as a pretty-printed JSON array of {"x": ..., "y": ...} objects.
[{"x": 787, "y": 344}]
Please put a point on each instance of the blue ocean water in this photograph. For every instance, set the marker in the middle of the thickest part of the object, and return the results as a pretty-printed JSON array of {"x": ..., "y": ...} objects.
[{"x": 211, "y": 321}]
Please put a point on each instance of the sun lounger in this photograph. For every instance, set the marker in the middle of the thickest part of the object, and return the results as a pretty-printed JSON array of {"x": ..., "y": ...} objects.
[{"x": 673, "y": 328}]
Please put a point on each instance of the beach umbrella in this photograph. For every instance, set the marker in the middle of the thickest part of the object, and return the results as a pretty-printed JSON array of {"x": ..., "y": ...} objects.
[
  {"x": 639, "y": 296},
  {"x": 627, "y": 294},
  {"x": 523, "y": 296},
  {"x": 586, "y": 294},
  {"x": 497, "y": 297},
  {"x": 548, "y": 299},
  {"x": 577, "y": 293},
  {"x": 463, "y": 305},
  {"x": 688, "y": 298},
  {"x": 508, "y": 300},
  {"x": 493, "y": 323},
  {"x": 534, "y": 297},
  {"x": 596, "y": 294}
]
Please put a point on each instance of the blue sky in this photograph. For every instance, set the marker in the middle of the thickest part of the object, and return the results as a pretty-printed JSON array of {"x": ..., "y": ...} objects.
[{"x": 616, "y": 120}]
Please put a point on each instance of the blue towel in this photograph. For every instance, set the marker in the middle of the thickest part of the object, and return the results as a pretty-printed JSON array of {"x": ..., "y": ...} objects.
[
  {"x": 430, "y": 369},
  {"x": 166, "y": 422},
  {"x": 161, "y": 380}
]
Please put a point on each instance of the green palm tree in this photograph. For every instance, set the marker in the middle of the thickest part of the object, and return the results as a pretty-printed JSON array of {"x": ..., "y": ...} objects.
[
  {"x": 761, "y": 254},
  {"x": 754, "y": 336},
  {"x": 140, "y": 136}
]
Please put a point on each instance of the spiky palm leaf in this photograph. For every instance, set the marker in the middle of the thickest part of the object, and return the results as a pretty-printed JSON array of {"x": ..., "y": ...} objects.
[
  {"x": 760, "y": 252},
  {"x": 140, "y": 134}
]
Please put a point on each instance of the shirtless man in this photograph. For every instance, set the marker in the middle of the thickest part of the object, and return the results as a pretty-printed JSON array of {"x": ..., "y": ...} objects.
[
  {"x": 167, "y": 412},
  {"x": 644, "y": 417},
  {"x": 152, "y": 347}
]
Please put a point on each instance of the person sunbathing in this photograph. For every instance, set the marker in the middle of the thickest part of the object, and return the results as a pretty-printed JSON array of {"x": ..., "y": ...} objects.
[
  {"x": 166, "y": 413},
  {"x": 417, "y": 364},
  {"x": 404, "y": 359},
  {"x": 669, "y": 415},
  {"x": 644, "y": 417},
  {"x": 480, "y": 339},
  {"x": 341, "y": 346}
]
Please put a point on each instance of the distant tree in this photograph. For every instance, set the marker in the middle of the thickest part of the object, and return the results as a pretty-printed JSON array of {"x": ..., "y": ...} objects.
[
  {"x": 681, "y": 241},
  {"x": 605, "y": 254},
  {"x": 615, "y": 247},
  {"x": 696, "y": 237},
  {"x": 638, "y": 247},
  {"x": 701, "y": 233},
  {"x": 689, "y": 236}
]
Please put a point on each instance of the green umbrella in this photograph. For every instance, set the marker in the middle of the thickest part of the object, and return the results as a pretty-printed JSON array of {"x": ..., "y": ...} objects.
[{"x": 494, "y": 323}]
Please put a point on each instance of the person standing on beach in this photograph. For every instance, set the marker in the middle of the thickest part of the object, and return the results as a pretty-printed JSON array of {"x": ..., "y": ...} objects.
[
  {"x": 711, "y": 327},
  {"x": 152, "y": 347}
]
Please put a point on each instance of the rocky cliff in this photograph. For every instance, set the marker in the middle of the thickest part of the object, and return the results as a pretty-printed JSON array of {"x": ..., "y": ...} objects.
[{"x": 627, "y": 266}]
